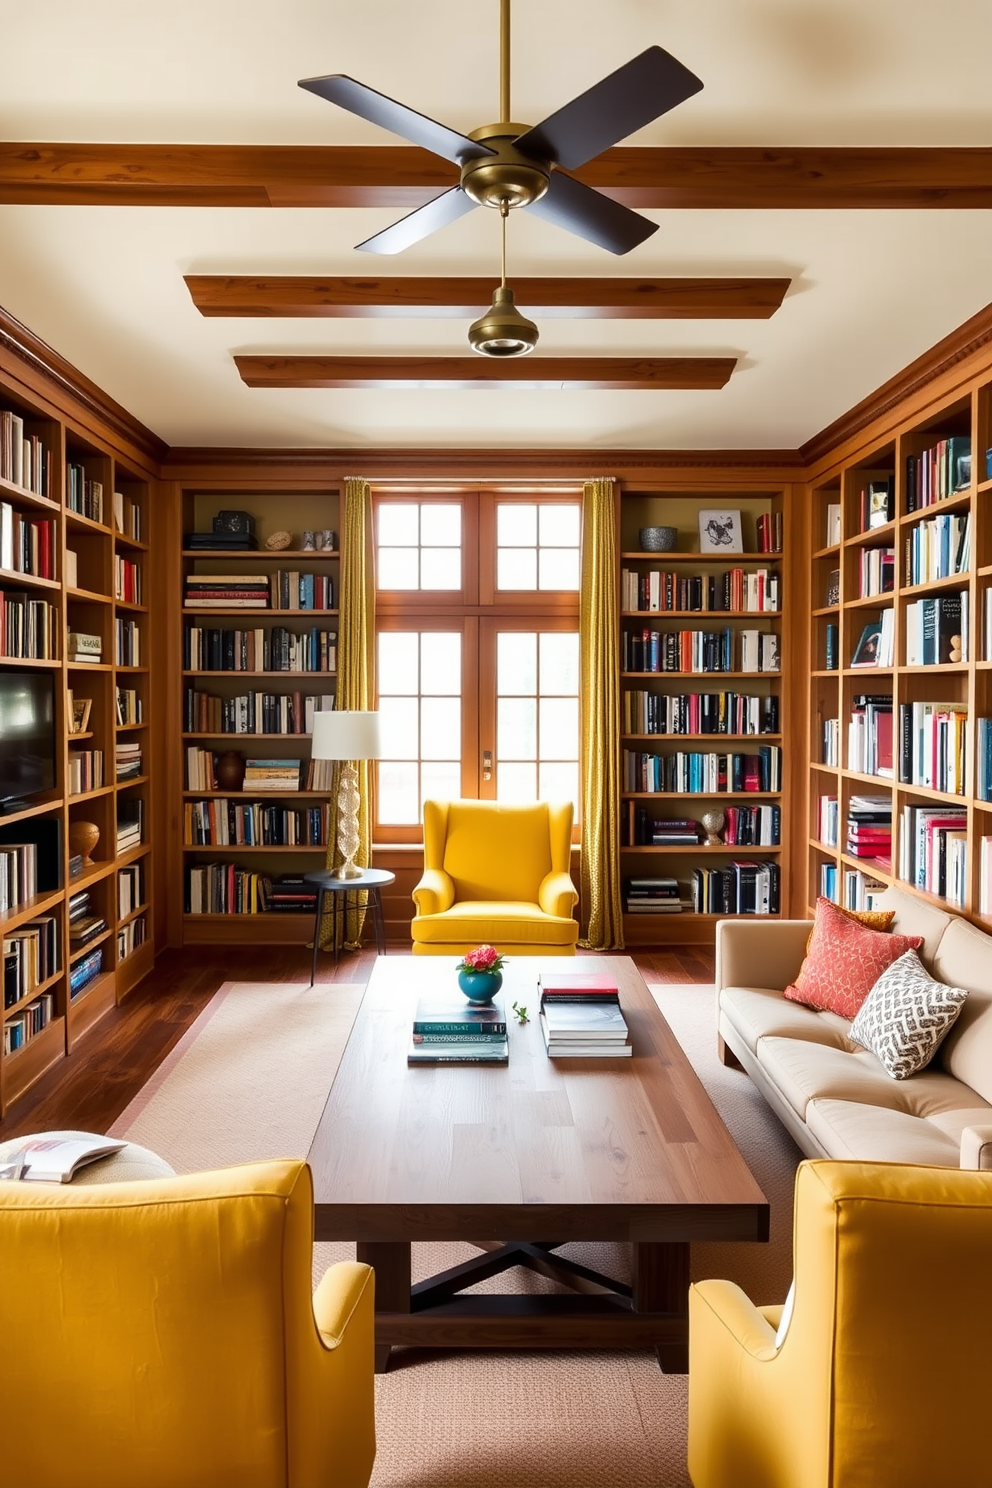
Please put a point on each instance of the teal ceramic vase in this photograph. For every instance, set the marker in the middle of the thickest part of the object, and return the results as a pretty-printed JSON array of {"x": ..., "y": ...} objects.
[{"x": 480, "y": 987}]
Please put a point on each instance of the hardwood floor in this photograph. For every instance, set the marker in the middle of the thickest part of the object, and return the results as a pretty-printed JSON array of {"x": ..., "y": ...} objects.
[{"x": 89, "y": 1090}]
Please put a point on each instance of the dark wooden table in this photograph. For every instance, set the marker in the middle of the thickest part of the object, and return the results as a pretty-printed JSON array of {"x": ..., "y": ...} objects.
[{"x": 547, "y": 1150}]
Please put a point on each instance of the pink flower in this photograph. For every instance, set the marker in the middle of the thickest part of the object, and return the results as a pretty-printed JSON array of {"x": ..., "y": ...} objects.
[{"x": 485, "y": 958}]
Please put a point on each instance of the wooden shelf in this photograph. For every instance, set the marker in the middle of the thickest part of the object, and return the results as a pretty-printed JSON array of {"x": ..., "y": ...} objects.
[
  {"x": 25, "y": 580},
  {"x": 691, "y": 614},
  {"x": 267, "y": 612},
  {"x": 90, "y": 945},
  {"x": 29, "y": 498},
  {"x": 36, "y": 992},
  {"x": 90, "y": 596},
  {"x": 767, "y": 676},
  {"x": 733, "y": 850},
  {"x": 271, "y": 555},
  {"x": 724, "y": 560},
  {"x": 729, "y": 738},
  {"x": 689, "y": 796},
  {"x": 249, "y": 795},
  {"x": 86, "y": 524},
  {"x": 237, "y": 848},
  {"x": 247, "y": 736},
  {"x": 289, "y": 676},
  {"x": 952, "y": 581},
  {"x": 30, "y": 661},
  {"x": 38, "y": 904}
]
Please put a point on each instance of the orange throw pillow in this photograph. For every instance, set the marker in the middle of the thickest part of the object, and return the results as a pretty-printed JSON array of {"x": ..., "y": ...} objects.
[
  {"x": 875, "y": 919},
  {"x": 844, "y": 961}
]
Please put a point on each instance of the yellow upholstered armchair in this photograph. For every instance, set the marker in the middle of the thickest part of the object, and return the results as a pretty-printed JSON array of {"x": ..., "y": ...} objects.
[
  {"x": 163, "y": 1333},
  {"x": 498, "y": 875},
  {"x": 883, "y": 1377}
]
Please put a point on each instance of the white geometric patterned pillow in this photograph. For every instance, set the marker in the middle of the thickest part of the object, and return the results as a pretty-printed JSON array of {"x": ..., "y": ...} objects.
[{"x": 905, "y": 1016}]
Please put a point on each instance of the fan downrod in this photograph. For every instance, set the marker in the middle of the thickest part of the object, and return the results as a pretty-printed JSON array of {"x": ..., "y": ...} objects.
[{"x": 509, "y": 176}]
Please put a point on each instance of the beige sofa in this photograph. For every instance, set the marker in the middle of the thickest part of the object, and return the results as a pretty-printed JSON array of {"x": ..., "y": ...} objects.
[{"x": 833, "y": 1095}]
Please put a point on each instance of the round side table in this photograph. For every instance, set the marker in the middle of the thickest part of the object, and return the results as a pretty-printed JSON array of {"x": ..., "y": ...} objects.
[{"x": 370, "y": 881}]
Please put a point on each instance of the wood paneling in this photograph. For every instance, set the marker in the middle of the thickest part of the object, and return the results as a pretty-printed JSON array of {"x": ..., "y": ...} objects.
[
  {"x": 527, "y": 373},
  {"x": 403, "y": 176},
  {"x": 462, "y": 298}
]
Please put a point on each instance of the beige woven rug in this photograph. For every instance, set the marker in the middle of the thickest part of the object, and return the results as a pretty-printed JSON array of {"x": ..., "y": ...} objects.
[{"x": 249, "y": 1080}]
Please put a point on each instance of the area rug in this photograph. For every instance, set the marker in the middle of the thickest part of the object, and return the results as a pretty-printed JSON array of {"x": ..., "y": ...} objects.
[{"x": 249, "y": 1080}]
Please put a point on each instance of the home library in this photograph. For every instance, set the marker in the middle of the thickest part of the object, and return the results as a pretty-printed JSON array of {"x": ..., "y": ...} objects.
[
  {"x": 704, "y": 631},
  {"x": 73, "y": 519},
  {"x": 901, "y": 658},
  {"x": 258, "y": 599}
]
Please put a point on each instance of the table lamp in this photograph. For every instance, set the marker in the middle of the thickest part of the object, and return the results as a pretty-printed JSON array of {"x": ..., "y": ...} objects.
[{"x": 346, "y": 736}]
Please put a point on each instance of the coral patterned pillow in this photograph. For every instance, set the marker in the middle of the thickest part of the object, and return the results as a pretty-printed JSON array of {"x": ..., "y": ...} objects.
[{"x": 844, "y": 961}]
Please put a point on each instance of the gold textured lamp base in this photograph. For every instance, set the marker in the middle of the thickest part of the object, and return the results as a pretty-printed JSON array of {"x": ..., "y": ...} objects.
[{"x": 349, "y": 838}]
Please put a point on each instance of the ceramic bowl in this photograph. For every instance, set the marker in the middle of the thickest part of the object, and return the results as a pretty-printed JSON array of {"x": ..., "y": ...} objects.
[{"x": 657, "y": 539}]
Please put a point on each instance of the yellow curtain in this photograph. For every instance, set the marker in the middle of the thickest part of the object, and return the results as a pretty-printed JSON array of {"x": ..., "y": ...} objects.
[
  {"x": 599, "y": 640},
  {"x": 355, "y": 680}
]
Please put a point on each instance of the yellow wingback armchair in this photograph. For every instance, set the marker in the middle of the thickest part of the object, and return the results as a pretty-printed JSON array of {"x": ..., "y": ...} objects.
[
  {"x": 883, "y": 1377},
  {"x": 163, "y": 1333},
  {"x": 496, "y": 875}
]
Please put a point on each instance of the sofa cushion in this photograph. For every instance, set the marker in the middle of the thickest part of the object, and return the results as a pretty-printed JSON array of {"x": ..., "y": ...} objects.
[
  {"x": 762, "y": 1012},
  {"x": 964, "y": 957},
  {"x": 852, "y": 1130},
  {"x": 914, "y": 917},
  {"x": 803, "y": 1071},
  {"x": 495, "y": 922},
  {"x": 905, "y": 1016},
  {"x": 845, "y": 960}
]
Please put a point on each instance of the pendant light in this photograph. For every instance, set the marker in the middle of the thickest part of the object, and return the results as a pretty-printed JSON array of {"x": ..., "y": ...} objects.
[{"x": 502, "y": 331}]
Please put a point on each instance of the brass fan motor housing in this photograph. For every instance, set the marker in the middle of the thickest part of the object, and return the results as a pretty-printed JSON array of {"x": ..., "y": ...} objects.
[{"x": 509, "y": 176}]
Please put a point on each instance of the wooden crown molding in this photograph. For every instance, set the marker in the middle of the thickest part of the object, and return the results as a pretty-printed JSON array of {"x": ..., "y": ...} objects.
[
  {"x": 404, "y": 176},
  {"x": 377, "y": 297},
  {"x": 969, "y": 339},
  {"x": 527, "y": 372},
  {"x": 51, "y": 372}
]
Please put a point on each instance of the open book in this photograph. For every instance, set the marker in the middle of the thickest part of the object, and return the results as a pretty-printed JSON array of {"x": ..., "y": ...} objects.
[{"x": 58, "y": 1159}]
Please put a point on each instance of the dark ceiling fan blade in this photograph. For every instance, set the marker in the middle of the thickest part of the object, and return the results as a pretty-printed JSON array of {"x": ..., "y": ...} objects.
[
  {"x": 386, "y": 112},
  {"x": 643, "y": 89},
  {"x": 447, "y": 207},
  {"x": 590, "y": 214}
]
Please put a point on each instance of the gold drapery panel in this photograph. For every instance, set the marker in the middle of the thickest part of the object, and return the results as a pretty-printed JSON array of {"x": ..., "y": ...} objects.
[
  {"x": 355, "y": 679},
  {"x": 599, "y": 644}
]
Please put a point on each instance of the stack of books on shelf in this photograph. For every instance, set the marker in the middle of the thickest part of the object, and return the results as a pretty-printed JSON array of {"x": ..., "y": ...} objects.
[
  {"x": 85, "y": 647},
  {"x": 272, "y": 775},
  {"x": 127, "y": 580},
  {"x": 875, "y": 647},
  {"x": 697, "y": 773},
  {"x": 831, "y": 642},
  {"x": 84, "y": 971},
  {"x": 869, "y": 735},
  {"x": 28, "y": 627},
  {"x": 130, "y": 819},
  {"x": 725, "y": 650},
  {"x": 127, "y": 643},
  {"x": 130, "y": 888},
  {"x": 937, "y": 630},
  {"x": 227, "y": 591},
  {"x": 224, "y": 888},
  {"x": 752, "y": 826},
  {"x": 128, "y": 759},
  {"x": 832, "y": 530},
  {"x": 130, "y": 936},
  {"x": 24, "y": 459},
  {"x": 219, "y": 822},
  {"x": 828, "y": 882},
  {"x": 449, "y": 1031},
  {"x": 275, "y": 650},
  {"x": 877, "y": 503},
  {"x": 18, "y": 873},
  {"x": 231, "y": 541},
  {"x": 30, "y": 957},
  {"x": 869, "y": 827},
  {"x": 21, "y": 1027},
  {"x": 877, "y": 571},
  {"x": 768, "y": 529},
  {"x": 862, "y": 892},
  {"x": 581, "y": 1017},
  {"x": 253, "y": 712},
  {"x": 938, "y": 472},
  {"x": 938, "y": 548},
  {"x": 652, "y": 896},
  {"x": 740, "y": 888},
  {"x": 733, "y": 590},
  {"x": 291, "y": 590},
  {"x": 933, "y": 850},
  {"x": 83, "y": 924},
  {"x": 85, "y": 771},
  {"x": 83, "y": 496},
  {"x": 288, "y": 894},
  {"x": 127, "y": 516},
  {"x": 933, "y": 739},
  {"x": 830, "y": 736},
  {"x": 128, "y": 703},
  {"x": 698, "y": 713},
  {"x": 27, "y": 544},
  {"x": 665, "y": 831},
  {"x": 829, "y": 821},
  {"x": 983, "y": 761}
]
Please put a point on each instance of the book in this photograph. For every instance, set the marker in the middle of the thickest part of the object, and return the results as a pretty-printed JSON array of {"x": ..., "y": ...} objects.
[
  {"x": 578, "y": 1049},
  {"x": 593, "y": 986},
  {"x": 467, "y": 1052},
  {"x": 446, "y": 1015},
  {"x": 58, "y": 1159},
  {"x": 590, "y": 1022}
]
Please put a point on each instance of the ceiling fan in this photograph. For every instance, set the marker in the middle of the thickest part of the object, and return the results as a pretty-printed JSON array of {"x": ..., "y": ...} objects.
[{"x": 509, "y": 165}]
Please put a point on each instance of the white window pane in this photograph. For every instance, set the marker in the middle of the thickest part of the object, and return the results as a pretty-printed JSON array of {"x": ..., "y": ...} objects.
[
  {"x": 560, "y": 782},
  {"x": 559, "y": 568},
  {"x": 398, "y": 523},
  {"x": 441, "y": 663},
  {"x": 559, "y": 728},
  {"x": 516, "y": 663},
  {"x": 516, "y": 568},
  {"x": 516, "y": 729},
  {"x": 399, "y": 657},
  {"x": 397, "y": 568},
  {"x": 441, "y": 780},
  {"x": 440, "y": 525},
  {"x": 516, "y": 525},
  {"x": 559, "y": 663},
  {"x": 440, "y": 728},
  {"x": 516, "y": 783},
  {"x": 397, "y": 797},
  {"x": 398, "y": 727},
  {"x": 559, "y": 526},
  {"x": 440, "y": 568}
]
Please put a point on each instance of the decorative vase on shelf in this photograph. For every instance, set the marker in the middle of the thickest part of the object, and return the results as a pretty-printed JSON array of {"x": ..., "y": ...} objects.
[
  {"x": 713, "y": 822},
  {"x": 83, "y": 838},
  {"x": 480, "y": 987},
  {"x": 231, "y": 771}
]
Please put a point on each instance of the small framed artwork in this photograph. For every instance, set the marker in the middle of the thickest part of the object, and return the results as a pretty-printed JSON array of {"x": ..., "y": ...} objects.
[
  {"x": 866, "y": 651},
  {"x": 80, "y": 713},
  {"x": 720, "y": 532}
]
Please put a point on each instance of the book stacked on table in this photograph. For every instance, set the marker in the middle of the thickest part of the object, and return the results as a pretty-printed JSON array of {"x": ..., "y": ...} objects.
[
  {"x": 581, "y": 1017},
  {"x": 446, "y": 1031}
]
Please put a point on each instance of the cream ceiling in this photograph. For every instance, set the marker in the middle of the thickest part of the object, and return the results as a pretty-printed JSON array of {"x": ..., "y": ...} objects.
[{"x": 871, "y": 291}]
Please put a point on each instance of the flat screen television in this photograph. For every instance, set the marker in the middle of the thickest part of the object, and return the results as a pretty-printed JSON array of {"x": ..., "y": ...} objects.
[{"x": 27, "y": 735}]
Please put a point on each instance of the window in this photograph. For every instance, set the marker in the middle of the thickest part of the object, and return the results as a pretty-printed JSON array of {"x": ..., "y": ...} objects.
[{"x": 478, "y": 650}]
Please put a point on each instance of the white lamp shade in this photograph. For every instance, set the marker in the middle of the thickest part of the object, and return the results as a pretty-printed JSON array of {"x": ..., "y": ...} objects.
[{"x": 345, "y": 736}]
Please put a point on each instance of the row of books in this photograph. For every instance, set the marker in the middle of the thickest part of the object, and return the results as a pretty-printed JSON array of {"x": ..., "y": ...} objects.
[
  {"x": 85, "y": 971},
  {"x": 127, "y": 759},
  {"x": 938, "y": 472},
  {"x": 933, "y": 850},
  {"x": 84, "y": 924},
  {"x": 876, "y": 571},
  {"x": 220, "y": 822},
  {"x": 201, "y": 773},
  {"x": 868, "y": 829},
  {"x": 127, "y": 642},
  {"x": 24, "y": 458},
  {"x": 84, "y": 771},
  {"x": 18, "y": 873},
  {"x": 869, "y": 734},
  {"x": 850, "y": 888},
  {"x": 932, "y": 741},
  {"x": 830, "y": 742},
  {"x": 253, "y": 712},
  {"x": 130, "y": 936},
  {"x": 696, "y": 772},
  {"x": 726, "y": 650},
  {"x": 876, "y": 646},
  {"x": 127, "y": 580},
  {"x": 735, "y": 590},
  {"x": 127, "y": 516},
  {"x": 828, "y": 821},
  {"x": 21, "y": 1027},
  {"x": 130, "y": 824},
  {"x": 225, "y": 888},
  {"x": 769, "y": 532},
  {"x": 744, "y": 826},
  {"x": 652, "y": 895},
  {"x": 83, "y": 495},
  {"x": 275, "y": 650},
  {"x": 876, "y": 503},
  {"x": 938, "y": 548},
  {"x": 698, "y": 713},
  {"x": 30, "y": 957},
  {"x": 284, "y": 589},
  {"x": 128, "y": 706},
  {"x": 739, "y": 888},
  {"x": 27, "y": 544},
  {"x": 28, "y": 627},
  {"x": 983, "y": 760},
  {"x": 130, "y": 888},
  {"x": 937, "y": 630}
]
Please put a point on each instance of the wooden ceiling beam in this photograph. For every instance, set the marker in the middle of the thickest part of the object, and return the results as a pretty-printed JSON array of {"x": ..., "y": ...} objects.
[
  {"x": 526, "y": 373},
  {"x": 402, "y": 176},
  {"x": 300, "y": 296}
]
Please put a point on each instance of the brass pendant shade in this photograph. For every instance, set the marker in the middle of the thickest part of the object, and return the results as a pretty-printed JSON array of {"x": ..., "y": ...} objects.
[{"x": 502, "y": 331}]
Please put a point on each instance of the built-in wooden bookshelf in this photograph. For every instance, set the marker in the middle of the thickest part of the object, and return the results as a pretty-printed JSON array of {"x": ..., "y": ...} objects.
[
  {"x": 918, "y": 743},
  {"x": 724, "y": 600},
  {"x": 260, "y": 710}
]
